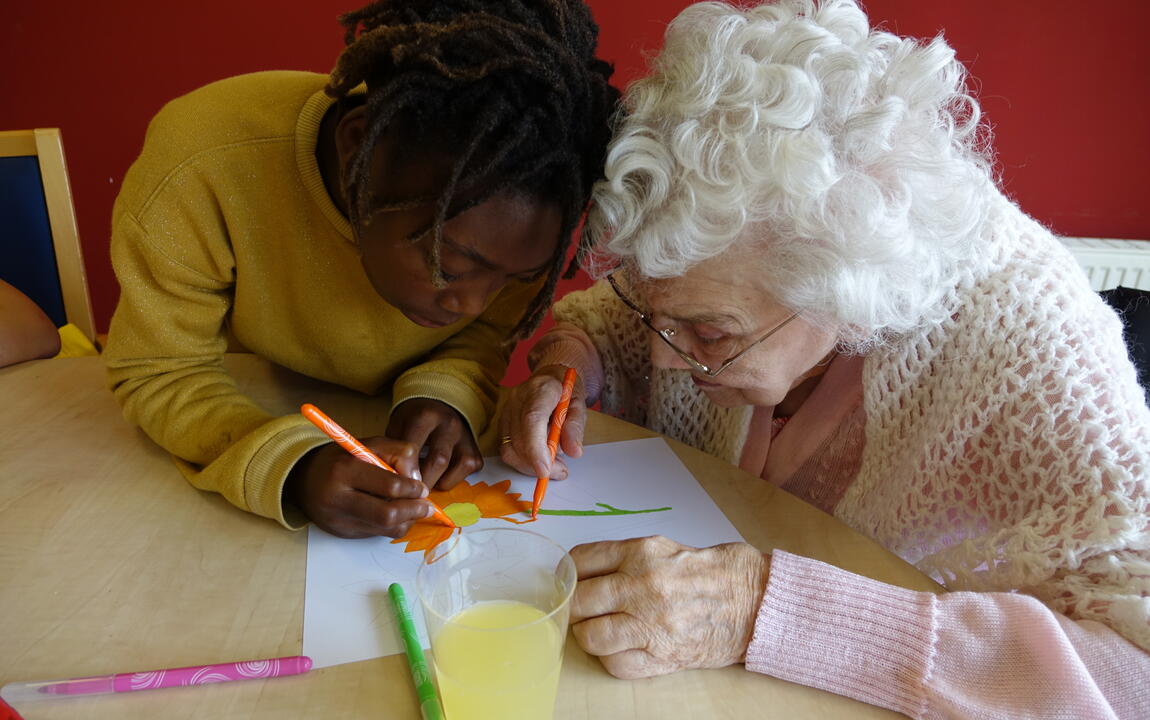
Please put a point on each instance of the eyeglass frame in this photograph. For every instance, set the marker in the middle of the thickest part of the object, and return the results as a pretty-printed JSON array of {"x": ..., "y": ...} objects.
[{"x": 665, "y": 335}]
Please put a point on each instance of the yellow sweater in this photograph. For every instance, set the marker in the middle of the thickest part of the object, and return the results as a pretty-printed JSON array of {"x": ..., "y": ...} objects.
[{"x": 223, "y": 230}]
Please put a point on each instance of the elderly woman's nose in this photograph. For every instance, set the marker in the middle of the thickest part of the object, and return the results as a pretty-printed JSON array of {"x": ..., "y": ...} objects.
[{"x": 666, "y": 358}]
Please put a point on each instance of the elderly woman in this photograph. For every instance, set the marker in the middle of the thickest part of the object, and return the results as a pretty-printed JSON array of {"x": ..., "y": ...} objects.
[{"x": 813, "y": 274}]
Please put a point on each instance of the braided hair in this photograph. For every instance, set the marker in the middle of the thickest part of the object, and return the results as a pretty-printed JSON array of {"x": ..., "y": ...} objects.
[{"x": 509, "y": 90}]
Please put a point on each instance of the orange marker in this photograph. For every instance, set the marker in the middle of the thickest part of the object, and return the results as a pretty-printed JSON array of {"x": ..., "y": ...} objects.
[
  {"x": 344, "y": 439},
  {"x": 557, "y": 419}
]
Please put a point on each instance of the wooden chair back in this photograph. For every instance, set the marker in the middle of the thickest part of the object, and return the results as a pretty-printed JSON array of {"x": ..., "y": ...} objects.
[{"x": 40, "y": 249}]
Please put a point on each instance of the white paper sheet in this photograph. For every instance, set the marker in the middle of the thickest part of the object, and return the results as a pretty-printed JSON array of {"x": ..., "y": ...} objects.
[{"x": 347, "y": 614}]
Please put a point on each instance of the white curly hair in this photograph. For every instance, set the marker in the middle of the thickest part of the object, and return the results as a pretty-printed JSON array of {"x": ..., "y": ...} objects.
[{"x": 850, "y": 160}]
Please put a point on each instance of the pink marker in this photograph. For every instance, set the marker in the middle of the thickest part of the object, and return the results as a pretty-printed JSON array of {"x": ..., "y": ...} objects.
[{"x": 130, "y": 682}]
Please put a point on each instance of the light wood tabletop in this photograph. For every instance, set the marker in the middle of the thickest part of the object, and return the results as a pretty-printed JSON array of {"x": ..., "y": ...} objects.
[{"x": 111, "y": 562}]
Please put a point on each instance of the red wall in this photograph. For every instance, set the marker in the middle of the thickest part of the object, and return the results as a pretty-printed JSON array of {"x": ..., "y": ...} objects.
[{"x": 1065, "y": 89}]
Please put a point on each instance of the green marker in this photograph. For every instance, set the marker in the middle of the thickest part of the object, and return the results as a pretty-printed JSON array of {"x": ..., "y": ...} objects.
[{"x": 424, "y": 686}]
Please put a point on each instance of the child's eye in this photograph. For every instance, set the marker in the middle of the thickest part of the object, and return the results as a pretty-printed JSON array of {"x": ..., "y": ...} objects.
[{"x": 447, "y": 277}]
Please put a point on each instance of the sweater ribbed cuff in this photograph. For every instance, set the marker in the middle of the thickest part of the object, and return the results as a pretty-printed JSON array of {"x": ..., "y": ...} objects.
[
  {"x": 560, "y": 347},
  {"x": 268, "y": 469},
  {"x": 830, "y": 629},
  {"x": 446, "y": 389}
]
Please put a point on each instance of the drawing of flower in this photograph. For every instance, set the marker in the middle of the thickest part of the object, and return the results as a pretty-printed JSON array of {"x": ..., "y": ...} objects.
[{"x": 464, "y": 504}]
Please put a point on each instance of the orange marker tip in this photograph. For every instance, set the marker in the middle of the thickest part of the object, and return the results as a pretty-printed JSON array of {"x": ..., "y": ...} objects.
[{"x": 445, "y": 519}]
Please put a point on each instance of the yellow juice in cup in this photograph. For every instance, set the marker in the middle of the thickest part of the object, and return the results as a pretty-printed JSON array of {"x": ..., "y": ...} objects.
[{"x": 498, "y": 660}]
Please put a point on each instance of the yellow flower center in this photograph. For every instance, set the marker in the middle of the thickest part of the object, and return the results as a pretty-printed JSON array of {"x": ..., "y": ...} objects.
[{"x": 463, "y": 513}]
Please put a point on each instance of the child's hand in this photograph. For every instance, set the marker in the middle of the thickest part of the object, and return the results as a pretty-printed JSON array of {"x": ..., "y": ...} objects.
[
  {"x": 451, "y": 451},
  {"x": 352, "y": 499},
  {"x": 526, "y": 420}
]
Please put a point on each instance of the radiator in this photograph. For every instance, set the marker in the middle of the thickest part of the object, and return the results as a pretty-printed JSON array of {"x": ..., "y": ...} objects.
[{"x": 1110, "y": 263}]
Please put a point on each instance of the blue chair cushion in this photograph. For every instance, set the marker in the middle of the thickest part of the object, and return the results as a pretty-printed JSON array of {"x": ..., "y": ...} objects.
[{"x": 27, "y": 256}]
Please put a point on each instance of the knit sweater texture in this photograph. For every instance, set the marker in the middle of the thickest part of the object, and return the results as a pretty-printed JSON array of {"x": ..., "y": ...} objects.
[
  {"x": 225, "y": 238},
  {"x": 1007, "y": 455}
]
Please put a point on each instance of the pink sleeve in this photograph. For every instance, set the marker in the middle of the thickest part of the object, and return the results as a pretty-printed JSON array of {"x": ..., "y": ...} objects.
[
  {"x": 566, "y": 344},
  {"x": 956, "y": 655}
]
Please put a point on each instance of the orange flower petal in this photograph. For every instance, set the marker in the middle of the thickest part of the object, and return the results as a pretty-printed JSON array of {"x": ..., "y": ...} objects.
[
  {"x": 424, "y": 535},
  {"x": 493, "y": 501}
]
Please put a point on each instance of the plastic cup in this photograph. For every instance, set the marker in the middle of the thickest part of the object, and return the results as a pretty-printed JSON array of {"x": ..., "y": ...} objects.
[{"x": 496, "y": 603}]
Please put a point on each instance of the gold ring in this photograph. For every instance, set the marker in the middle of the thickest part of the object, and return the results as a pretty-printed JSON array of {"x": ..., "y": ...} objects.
[{"x": 506, "y": 440}]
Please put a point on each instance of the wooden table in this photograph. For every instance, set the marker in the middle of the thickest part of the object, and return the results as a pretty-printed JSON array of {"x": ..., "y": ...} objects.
[{"x": 110, "y": 561}]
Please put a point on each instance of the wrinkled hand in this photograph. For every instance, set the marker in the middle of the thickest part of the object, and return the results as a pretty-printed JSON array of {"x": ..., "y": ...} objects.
[
  {"x": 451, "y": 450},
  {"x": 526, "y": 419},
  {"x": 650, "y": 606},
  {"x": 353, "y": 499}
]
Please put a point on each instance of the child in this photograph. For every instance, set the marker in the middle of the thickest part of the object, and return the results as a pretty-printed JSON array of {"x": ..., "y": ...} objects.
[
  {"x": 26, "y": 333},
  {"x": 392, "y": 226}
]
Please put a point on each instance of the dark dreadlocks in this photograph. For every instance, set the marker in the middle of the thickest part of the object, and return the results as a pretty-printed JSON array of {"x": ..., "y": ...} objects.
[{"x": 510, "y": 90}]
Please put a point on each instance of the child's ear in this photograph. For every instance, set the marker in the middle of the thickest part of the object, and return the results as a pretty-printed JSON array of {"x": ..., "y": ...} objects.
[{"x": 349, "y": 134}]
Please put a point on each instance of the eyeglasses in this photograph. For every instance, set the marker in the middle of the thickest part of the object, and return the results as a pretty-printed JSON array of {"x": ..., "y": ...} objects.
[{"x": 665, "y": 334}]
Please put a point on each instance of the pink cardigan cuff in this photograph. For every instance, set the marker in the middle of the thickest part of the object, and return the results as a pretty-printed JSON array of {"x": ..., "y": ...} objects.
[
  {"x": 568, "y": 345},
  {"x": 830, "y": 629}
]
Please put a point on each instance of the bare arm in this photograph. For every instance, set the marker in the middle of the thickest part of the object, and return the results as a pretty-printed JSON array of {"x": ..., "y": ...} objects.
[{"x": 26, "y": 333}]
